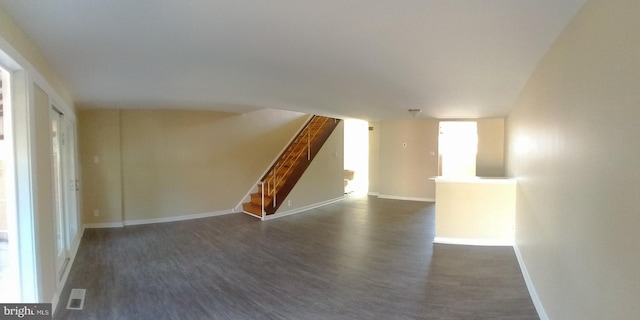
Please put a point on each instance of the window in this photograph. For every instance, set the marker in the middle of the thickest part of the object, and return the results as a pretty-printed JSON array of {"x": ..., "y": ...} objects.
[{"x": 458, "y": 146}]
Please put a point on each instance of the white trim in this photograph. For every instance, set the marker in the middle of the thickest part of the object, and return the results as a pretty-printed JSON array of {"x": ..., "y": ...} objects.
[
  {"x": 103, "y": 225},
  {"x": 473, "y": 242},
  {"x": 481, "y": 180},
  {"x": 178, "y": 218},
  {"x": 28, "y": 226},
  {"x": 373, "y": 194},
  {"x": 72, "y": 257},
  {"x": 537, "y": 303},
  {"x": 54, "y": 301},
  {"x": 252, "y": 214},
  {"x": 25, "y": 180},
  {"x": 386, "y": 196},
  {"x": 302, "y": 209}
]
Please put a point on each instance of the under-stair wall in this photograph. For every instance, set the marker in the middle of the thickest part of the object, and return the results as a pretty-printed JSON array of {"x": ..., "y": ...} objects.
[{"x": 323, "y": 181}]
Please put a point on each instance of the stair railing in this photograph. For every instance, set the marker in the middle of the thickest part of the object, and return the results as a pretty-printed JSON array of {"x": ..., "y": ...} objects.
[
  {"x": 276, "y": 176},
  {"x": 262, "y": 212}
]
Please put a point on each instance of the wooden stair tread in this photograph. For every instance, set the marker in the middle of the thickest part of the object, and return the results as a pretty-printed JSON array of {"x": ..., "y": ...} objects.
[
  {"x": 256, "y": 198},
  {"x": 252, "y": 208}
]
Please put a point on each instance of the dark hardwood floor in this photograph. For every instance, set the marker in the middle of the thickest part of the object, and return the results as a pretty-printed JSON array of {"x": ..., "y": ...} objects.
[{"x": 361, "y": 258}]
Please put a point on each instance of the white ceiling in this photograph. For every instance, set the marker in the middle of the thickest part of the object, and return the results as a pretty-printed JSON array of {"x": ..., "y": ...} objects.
[{"x": 368, "y": 59}]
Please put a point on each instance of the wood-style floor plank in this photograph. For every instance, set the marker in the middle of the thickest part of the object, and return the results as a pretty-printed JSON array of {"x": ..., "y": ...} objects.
[{"x": 362, "y": 258}]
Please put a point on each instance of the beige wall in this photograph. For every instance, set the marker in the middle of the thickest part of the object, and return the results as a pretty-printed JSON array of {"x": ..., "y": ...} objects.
[
  {"x": 18, "y": 41},
  {"x": 100, "y": 165},
  {"x": 323, "y": 179},
  {"x": 490, "y": 157},
  {"x": 573, "y": 145},
  {"x": 475, "y": 211},
  {"x": 177, "y": 163},
  {"x": 404, "y": 172}
]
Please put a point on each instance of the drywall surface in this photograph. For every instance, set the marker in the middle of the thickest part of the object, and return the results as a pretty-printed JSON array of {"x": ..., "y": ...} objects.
[
  {"x": 100, "y": 164},
  {"x": 573, "y": 146},
  {"x": 408, "y": 152},
  {"x": 20, "y": 42},
  {"x": 323, "y": 180},
  {"x": 475, "y": 211},
  {"x": 181, "y": 163},
  {"x": 490, "y": 156}
]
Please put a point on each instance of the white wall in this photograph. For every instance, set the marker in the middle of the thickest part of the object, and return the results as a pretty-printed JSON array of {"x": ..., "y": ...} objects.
[{"x": 573, "y": 145}]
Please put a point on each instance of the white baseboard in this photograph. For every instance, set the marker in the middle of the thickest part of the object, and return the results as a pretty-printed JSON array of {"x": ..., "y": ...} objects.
[
  {"x": 103, "y": 225},
  {"x": 473, "y": 242},
  {"x": 251, "y": 214},
  {"x": 532, "y": 290},
  {"x": 178, "y": 218},
  {"x": 305, "y": 208},
  {"x": 374, "y": 194},
  {"x": 387, "y": 196},
  {"x": 157, "y": 220},
  {"x": 54, "y": 301}
]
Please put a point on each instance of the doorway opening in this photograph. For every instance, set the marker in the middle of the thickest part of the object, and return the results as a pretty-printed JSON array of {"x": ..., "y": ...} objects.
[
  {"x": 356, "y": 156},
  {"x": 457, "y": 148}
]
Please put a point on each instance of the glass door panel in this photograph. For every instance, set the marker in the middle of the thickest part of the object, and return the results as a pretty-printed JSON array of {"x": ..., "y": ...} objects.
[{"x": 57, "y": 140}]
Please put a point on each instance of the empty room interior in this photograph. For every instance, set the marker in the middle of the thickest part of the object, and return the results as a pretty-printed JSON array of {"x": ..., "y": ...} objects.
[{"x": 194, "y": 159}]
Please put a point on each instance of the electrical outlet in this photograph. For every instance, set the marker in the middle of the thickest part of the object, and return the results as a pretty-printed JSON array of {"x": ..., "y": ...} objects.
[
  {"x": 96, "y": 212},
  {"x": 289, "y": 203}
]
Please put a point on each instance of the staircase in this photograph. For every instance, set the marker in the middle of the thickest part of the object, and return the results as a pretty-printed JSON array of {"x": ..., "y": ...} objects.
[{"x": 276, "y": 184}]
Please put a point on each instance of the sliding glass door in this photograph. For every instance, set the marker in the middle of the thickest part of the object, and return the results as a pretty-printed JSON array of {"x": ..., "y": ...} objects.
[
  {"x": 62, "y": 250},
  {"x": 64, "y": 187}
]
